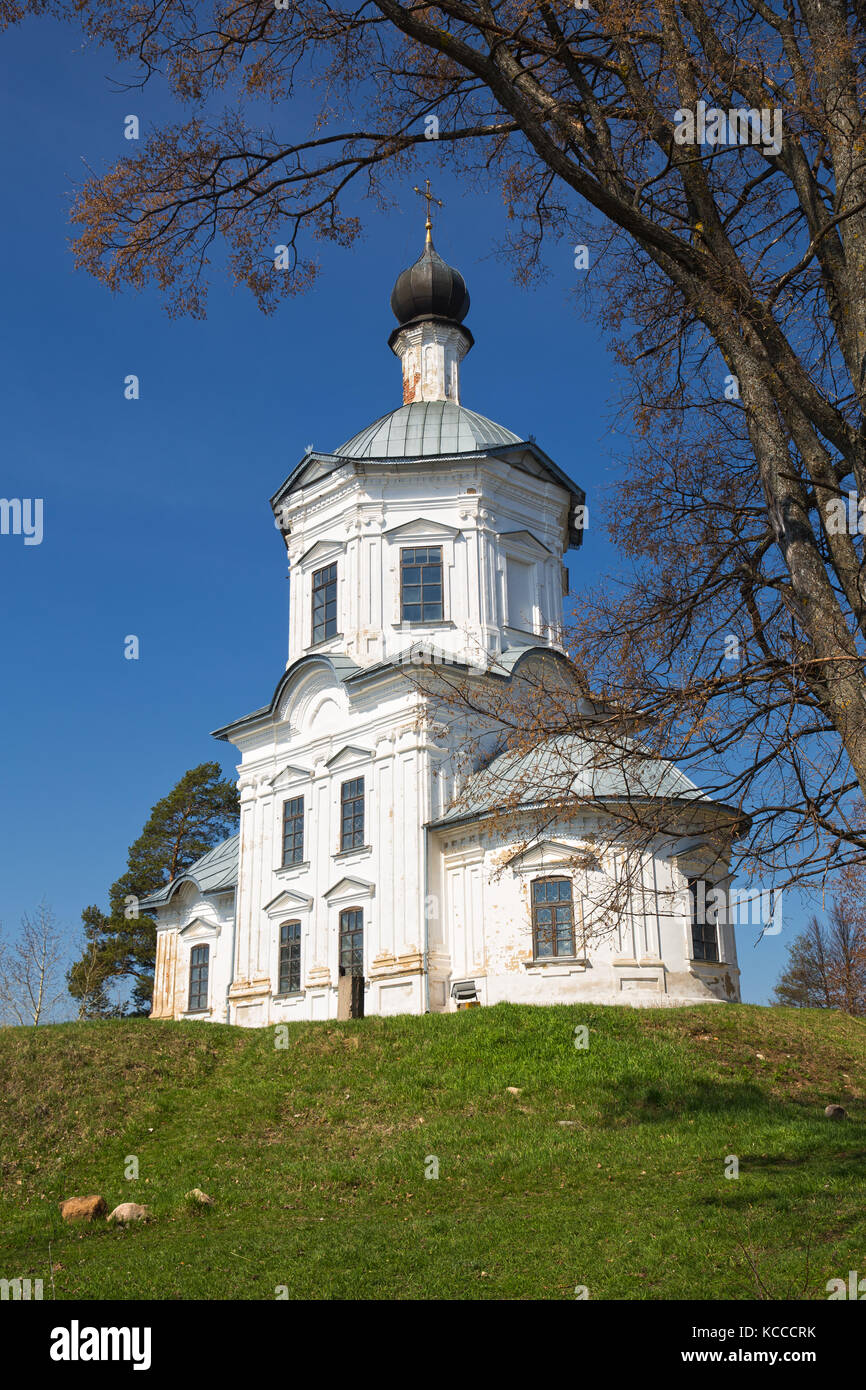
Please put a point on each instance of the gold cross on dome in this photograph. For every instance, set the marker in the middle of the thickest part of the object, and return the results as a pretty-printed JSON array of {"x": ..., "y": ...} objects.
[{"x": 425, "y": 193}]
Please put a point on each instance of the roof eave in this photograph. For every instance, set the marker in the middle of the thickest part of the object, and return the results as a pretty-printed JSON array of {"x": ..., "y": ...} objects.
[{"x": 445, "y": 823}]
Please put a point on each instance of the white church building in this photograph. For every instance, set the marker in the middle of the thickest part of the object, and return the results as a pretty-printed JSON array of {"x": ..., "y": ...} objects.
[{"x": 372, "y": 871}]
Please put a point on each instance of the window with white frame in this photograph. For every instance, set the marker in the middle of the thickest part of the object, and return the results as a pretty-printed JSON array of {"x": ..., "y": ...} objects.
[
  {"x": 421, "y": 593},
  {"x": 352, "y": 814},
  {"x": 293, "y": 831},
  {"x": 199, "y": 969},
  {"x": 325, "y": 603},
  {"x": 289, "y": 973},
  {"x": 352, "y": 941}
]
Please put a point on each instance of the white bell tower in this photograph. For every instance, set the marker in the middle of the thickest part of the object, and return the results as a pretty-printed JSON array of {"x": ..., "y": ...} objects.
[{"x": 434, "y": 526}]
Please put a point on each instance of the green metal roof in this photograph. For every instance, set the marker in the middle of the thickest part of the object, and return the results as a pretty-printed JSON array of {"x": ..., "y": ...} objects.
[
  {"x": 424, "y": 428},
  {"x": 568, "y": 766},
  {"x": 215, "y": 872}
]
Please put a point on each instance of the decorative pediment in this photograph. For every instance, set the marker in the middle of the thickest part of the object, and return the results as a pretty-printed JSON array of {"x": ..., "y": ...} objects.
[
  {"x": 421, "y": 529},
  {"x": 348, "y": 756},
  {"x": 317, "y": 468},
  {"x": 198, "y": 929},
  {"x": 526, "y": 541},
  {"x": 289, "y": 776},
  {"x": 286, "y": 903},
  {"x": 549, "y": 854},
  {"x": 348, "y": 887},
  {"x": 320, "y": 553}
]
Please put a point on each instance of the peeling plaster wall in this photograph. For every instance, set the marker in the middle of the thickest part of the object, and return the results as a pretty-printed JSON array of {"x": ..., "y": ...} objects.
[
  {"x": 323, "y": 738},
  {"x": 642, "y": 960},
  {"x": 193, "y": 919},
  {"x": 476, "y": 899}
]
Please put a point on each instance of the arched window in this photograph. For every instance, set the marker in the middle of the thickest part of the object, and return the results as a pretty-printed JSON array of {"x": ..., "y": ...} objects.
[
  {"x": 352, "y": 941},
  {"x": 289, "y": 974},
  {"x": 199, "y": 964},
  {"x": 552, "y": 917}
]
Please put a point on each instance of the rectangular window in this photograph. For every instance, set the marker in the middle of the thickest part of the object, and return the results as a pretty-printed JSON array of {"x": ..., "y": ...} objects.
[
  {"x": 352, "y": 814},
  {"x": 421, "y": 584},
  {"x": 293, "y": 831},
  {"x": 705, "y": 932},
  {"x": 198, "y": 973},
  {"x": 552, "y": 917},
  {"x": 352, "y": 941},
  {"x": 325, "y": 603},
  {"x": 290, "y": 958}
]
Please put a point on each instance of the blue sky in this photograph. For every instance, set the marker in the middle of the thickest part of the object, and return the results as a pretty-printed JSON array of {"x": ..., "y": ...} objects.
[{"x": 156, "y": 517}]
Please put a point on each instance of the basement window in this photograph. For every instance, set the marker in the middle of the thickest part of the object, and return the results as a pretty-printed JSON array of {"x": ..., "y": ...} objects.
[{"x": 464, "y": 993}]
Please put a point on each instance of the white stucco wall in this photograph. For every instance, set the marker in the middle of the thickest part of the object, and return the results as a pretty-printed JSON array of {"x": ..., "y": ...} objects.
[
  {"x": 193, "y": 919},
  {"x": 641, "y": 958}
]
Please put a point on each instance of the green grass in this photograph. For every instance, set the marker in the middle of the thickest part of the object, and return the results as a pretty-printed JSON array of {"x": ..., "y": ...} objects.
[{"x": 315, "y": 1155}]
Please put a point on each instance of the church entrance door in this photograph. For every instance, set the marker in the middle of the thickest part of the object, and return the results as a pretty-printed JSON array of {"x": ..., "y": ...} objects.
[{"x": 350, "y": 986}]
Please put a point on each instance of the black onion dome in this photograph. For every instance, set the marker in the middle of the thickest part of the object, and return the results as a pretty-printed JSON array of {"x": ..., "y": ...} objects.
[{"x": 430, "y": 288}]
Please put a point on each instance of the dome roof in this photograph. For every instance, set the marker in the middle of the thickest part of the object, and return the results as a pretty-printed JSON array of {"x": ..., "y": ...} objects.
[
  {"x": 570, "y": 765},
  {"x": 425, "y": 428},
  {"x": 428, "y": 288}
]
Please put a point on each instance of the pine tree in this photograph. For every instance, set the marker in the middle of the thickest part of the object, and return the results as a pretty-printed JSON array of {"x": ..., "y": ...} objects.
[{"x": 199, "y": 812}]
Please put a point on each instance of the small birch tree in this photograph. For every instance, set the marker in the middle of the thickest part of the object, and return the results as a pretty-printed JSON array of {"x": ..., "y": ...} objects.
[{"x": 30, "y": 976}]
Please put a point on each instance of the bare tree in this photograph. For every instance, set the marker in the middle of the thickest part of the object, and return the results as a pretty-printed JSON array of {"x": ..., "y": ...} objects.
[
  {"x": 827, "y": 963},
  {"x": 711, "y": 154},
  {"x": 30, "y": 974},
  {"x": 88, "y": 979}
]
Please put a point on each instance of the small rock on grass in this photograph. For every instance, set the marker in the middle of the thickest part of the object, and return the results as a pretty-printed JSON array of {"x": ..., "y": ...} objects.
[{"x": 82, "y": 1208}]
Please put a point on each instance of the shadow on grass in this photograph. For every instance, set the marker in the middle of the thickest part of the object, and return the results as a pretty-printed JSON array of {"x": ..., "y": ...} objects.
[
  {"x": 847, "y": 1165},
  {"x": 639, "y": 1102}
]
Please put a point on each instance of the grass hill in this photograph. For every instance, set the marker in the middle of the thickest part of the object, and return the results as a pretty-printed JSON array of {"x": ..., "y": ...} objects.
[{"x": 316, "y": 1155}]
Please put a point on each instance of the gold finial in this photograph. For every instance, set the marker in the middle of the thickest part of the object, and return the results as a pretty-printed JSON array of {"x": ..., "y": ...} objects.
[{"x": 428, "y": 225}]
